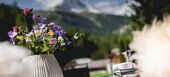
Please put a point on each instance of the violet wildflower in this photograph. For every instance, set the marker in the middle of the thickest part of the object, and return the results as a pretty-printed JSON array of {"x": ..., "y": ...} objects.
[
  {"x": 42, "y": 38},
  {"x": 69, "y": 42},
  {"x": 34, "y": 17},
  {"x": 46, "y": 34},
  {"x": 53, "y": 28},
  {"x": 40, "y": 24},
  {"x": 62, "y": 32},
  {"x": 58, "y": 28},
  {"x": 41, "y": 19},
  {"x": 54, "y": 46},
  {"x": 57, "y": 32},
  {"x": 12, "y": 34},
  {"x": 35, "y": 28},
  {"x": 43, "y": 26}
]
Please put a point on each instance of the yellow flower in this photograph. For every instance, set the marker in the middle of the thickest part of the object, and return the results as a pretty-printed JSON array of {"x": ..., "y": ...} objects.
[
  {"x": 51, "y": 32},
  {"x": 20, "y": 37}
]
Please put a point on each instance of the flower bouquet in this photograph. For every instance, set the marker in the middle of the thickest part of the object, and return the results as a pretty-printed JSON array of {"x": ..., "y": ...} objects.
[{"x": 43, "y": 39}]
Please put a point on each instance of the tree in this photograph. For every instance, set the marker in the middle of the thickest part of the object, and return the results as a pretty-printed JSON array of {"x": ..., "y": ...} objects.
[{"x": 147, "y": 11}]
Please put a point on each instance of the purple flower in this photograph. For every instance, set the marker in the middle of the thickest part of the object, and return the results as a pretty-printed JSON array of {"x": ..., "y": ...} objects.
[
  {"x": 62, "y": 32},
  {"x": 10, "y": 34},
  {"x": 32, "y": 30},
  {"x": 42, "y": 38},
  {"x": 53, "y": 28},
  {"x": 46, "y": 34},
  {"x": 35, "y": 28},
  {"x": 34, "y": 17},
  {"x": 41, "y": 19},
  {"x": 69, "y": 42},
  {"x": 54, "y": 46},
  {"x": 40, "y": 24},
  {"x": 57, "y": 32},
  {"x": 13, "y": 40},
  {"x": 58, "y": 28}
]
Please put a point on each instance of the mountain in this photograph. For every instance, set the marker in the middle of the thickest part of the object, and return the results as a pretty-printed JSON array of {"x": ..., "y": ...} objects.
[
  {"x": 98, "y": 24},
  {"x": 111, "y": 7}
]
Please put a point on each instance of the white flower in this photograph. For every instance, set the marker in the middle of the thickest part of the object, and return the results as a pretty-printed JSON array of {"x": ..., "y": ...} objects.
[
  {"x": 60, "y": 38},
  {"x": 28, "y": 37},
  {"x": 37, "y": 32},
  {"x": 43, "y": 28},
  {"x": 29, "y": 34}
]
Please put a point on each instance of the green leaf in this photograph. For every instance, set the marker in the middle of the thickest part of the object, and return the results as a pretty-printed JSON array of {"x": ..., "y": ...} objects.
[
  {"x": 45, "y": 48},
  {"x": 47, "y": 38},
  {"x": 62, "y": 44},
  {"x": 76, "y": 36}
]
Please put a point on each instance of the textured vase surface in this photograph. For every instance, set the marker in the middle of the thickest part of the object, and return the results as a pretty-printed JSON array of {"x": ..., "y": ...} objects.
[{"x": 42, "y": 65}]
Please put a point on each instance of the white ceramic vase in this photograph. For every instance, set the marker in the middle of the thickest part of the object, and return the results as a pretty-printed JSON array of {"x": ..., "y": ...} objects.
[{"x": 42, "y": 65}]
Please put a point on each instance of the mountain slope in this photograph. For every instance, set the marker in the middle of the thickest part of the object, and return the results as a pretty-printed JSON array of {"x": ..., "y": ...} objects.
[
  {"x": 99, "y": 24},
  {"x": 111, "y": 7}
]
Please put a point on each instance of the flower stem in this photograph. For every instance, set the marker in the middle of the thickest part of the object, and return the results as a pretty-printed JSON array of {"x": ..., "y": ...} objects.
[{"x": 25, "y": 24}]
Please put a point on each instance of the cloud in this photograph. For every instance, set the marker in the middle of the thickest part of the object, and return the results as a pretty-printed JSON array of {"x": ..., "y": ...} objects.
[
  {"x": 124, "y": 10},
  {"x": 49, "y": 4},
  {"x": 113, "y": 7}
]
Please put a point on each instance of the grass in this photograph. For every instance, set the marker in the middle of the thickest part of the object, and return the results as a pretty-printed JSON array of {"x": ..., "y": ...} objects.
[{"x": 100, "y": 75}]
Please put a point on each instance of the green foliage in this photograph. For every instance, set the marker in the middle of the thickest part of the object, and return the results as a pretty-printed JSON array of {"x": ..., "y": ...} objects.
[
  {"x": 108, "y": 42},
  {"x": 149, "y": 10},
  {"x": 100, "y": 74},
  {"x": 8, "y": 16}
]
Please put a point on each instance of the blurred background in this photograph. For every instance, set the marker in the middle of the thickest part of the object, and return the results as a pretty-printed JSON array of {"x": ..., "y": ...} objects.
[{"x": 107, "y": 26}]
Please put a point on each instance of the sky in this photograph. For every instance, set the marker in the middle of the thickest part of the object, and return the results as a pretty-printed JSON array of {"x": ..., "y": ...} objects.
[
  {"x": 115, "y": 7},
  {"x": 36, "y": 4}
]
